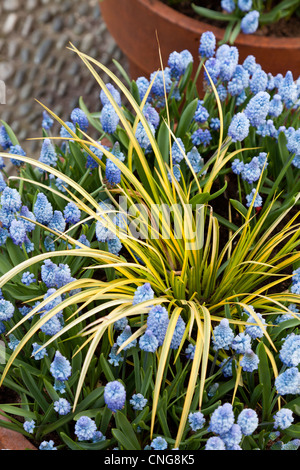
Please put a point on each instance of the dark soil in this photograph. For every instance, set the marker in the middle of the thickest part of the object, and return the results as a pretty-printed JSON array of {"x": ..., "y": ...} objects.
[
  {"x": 283, "y": 28},
  {"x": 8, "y": 396}
]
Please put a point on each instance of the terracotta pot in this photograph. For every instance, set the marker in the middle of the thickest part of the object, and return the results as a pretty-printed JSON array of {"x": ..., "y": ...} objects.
[
  {"x": 133, "y": 25},
  {"x": 12, "y": 440}
]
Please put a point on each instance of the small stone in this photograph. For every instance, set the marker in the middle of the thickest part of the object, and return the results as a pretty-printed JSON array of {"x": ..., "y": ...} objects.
[
  {"x": 6, "y": 115},
  {"x": 19, "y": 78},
  {"x": 33, "y": 72},
  {"x": 58, "y": 24},
  {"x": 25, "y": 55},
  {"x": 96, "y": 12},
  {"x": 10, "y": 23},
  {"x": 62, "y": 88},
  {"x": 74, "y": 69},
  {"x": 13, "y": 48},
  {"x": 43, "y": 50},
  {"x": 87, "y": 42},
  {"x": 79, "y": 29},
  {"x": 43, "y": 80},
  {"x": 6, "y": 71},
  {"x": 15, "y": 125},
  {"x": 66, "y": 6},
  {"x": 71, "y": 21},
  {"x": 31, "y": 5},
  {"x": 27, "y": 26},
  {"x": 83, "y": 9},
  {"x": 62, "y": 41},
  {"x": 45, "y": 16},
  {"x": 50, "y": 62},
  {"x": 59, "y": 65},
  {"x": 36, "y": 37},
  {"x": 25, "y": 109},
  {"x": 26, "y": 91},
  {"x": 11, "y": 5}
]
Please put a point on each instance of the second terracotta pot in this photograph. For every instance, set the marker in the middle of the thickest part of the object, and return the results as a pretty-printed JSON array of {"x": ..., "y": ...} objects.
[{"x": 136, "y": 24}]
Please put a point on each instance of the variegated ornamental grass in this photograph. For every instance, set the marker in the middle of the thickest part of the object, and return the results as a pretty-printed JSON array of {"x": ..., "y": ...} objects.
[{"x": 202, "y": 284}]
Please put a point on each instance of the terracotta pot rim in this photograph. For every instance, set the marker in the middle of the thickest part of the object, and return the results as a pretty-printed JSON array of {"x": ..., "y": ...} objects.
[{"x": 198, "y": 27}]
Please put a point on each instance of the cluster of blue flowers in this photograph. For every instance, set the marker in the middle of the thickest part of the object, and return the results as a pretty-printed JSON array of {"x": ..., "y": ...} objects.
[
  {"x": 250, "y": 20},
  {"x": 268, "y": 96},
  {"x": 240, "y": 344},
  {"x": 108, "y": 226}
]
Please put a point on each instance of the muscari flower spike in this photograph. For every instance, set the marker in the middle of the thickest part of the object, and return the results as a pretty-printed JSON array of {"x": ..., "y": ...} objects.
[
  {"x": 85, "y": 428},
  {"x": 233, "y": 437},
  {"x": 47, "y": 121},
  {"x": 57, "y": 222},
  {"x": 138, "y": 401},
  {"x": 62, "y": 275},
  {"x": 5, "y": 140},
  {"x": 114, "y": 358},
  {"x": 178, "y": 62},
  {"x": 29, "y": 426},
  {"x": 207, "y": 44},
  {"x": 248, "y": 421},
  {"x": 48, "y": 154},
  {"x": 10, "y": 200},
  {"x": 148, "y": 342},
  {"x": 17, "y": 150},
  {"x": 38, "y": 355},
  {"x": 228, "y": 5},
  {"x": 226, "y": 367},
  {"x": 249, "y": 361},
  {"x": 289, "y": 353},
  {"x": 283, "y": 418},
  {"x": 71, "y": 213},
  {"x": 62, "y": 406},
  {"x": 13, "y": 342},
  {"x": 177, "y": 151},
  {"x": 42, "y": 209},
  {"x": 2, "y": 183},
  {"x": 239, "y": 127},
  {"x": 222, "y": 419},
  {"x": 7, "y": 310},
  {"x": 201, "y": 137},
  {"x": 113, "y": 91},
  {"x": 288, "y": 382},
  {"x": 241, "y": 343},
  {"x": 259, "y": 81},
  {"x": 162, "y": 81},
  {"x": 178, "y": 333},
  {"x": 258, "y": 202},
  {"x": 245, "y": 5},
  {"x": 47, "y": 445},
  {"x": 255, "y": 331},
  {"x": 28, "y": 278},
  {"x": 159, "y": 443},
  {"x": 157, "y": 322},
  {"x": 60, "y": 367},
  {"x": 250, "y": 22},
  {"x": 78, "y": 117},
  {"x": 222, "y": 335},
  {"x": 17, "y": 232},
  {"x": 143, "y": 293},
  {"x": 258, "y": 108},
  {"x": 126, "y": 333},
  {"x": 114, "y": 395},
  {"x": 112, "y": 171},
  {"x": 64, "y": 133},
  {"x": 215, "y": 443},
  {"x": 196, "y": 420}
]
